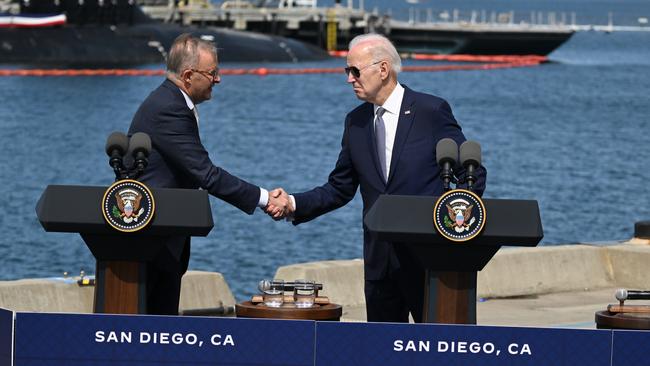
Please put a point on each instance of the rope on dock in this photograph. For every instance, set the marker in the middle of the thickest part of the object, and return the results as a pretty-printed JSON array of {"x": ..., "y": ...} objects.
[{"x": 475, "y": 62}]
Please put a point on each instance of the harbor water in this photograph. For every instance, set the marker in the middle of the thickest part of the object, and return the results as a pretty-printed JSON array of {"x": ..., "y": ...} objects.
[{"x": 571, "y": 134}]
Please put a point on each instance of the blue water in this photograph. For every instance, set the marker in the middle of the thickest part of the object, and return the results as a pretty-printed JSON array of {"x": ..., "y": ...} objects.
[{"x": 572, "y": 134}]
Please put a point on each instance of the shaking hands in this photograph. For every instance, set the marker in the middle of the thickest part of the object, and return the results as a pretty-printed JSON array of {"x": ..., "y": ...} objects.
[{"x": 280, "y": 204}]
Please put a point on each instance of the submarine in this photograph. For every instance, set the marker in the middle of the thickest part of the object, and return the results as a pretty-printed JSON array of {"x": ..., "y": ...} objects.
[{"x": 117, "y": 34}]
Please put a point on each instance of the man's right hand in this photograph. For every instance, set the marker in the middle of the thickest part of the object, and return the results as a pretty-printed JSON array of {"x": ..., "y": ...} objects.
[{"x": 279, "y": 205}]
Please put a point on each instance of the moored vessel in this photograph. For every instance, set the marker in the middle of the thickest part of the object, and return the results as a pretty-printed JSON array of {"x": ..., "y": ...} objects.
[
  {"x": 98, "y": 34},
  {"x": 333, "y": 27}
]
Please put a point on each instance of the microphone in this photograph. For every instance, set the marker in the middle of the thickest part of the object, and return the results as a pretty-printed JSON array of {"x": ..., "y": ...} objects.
[
  {"x": 117, "y": 144},
  {"x": 139, "y": 148},
  {"x": 470, "y": 158},
  {"x": 623, "y": 294},
  {"x": 446, "y": 155}
]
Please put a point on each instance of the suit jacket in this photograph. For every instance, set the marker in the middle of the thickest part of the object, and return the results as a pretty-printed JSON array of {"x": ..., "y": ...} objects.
[
  {"x": 423, "y": 121},
  {"x": 179, "y": 160}
]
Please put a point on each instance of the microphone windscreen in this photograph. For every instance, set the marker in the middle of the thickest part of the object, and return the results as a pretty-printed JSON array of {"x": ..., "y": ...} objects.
[
  {"x": 117, "y": 141},
  {"x": 470, "y": 153},
  {"x": 447, "y": 151},
  {"x": 621, "y": 294},
  {"x": 140, "y": 142}
]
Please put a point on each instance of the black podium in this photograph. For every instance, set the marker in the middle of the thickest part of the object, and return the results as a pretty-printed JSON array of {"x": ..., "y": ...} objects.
[
  {"x": 450, "y": 267},
  {"x": 120, "y": 286}
]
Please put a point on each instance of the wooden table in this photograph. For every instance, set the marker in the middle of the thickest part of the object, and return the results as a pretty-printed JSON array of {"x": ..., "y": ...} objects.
[
  {"x": 609, "y": 320},
  {"x": 247, "y": 309}
]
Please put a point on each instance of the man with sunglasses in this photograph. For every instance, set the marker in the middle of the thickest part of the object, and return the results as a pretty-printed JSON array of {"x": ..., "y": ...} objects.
[
  {"x": 178, "y": 159},
  {"x": 388, "y": 147}
]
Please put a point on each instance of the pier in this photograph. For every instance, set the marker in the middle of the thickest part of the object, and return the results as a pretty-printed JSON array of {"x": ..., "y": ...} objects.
[
  {"x": 534, "y": 304},
  {"x": 425, "y": 30},
  {"x": 240, "y": 13},
  {"x": 333, "y": 27}
]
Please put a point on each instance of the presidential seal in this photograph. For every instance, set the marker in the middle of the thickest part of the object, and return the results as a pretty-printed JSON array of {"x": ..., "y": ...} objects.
[
  {"x": 128, "y": 205},
  {"x": 459, "y": 215}
]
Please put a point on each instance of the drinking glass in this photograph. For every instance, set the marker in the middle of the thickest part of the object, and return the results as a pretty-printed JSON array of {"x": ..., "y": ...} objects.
[
  {"x": 304, "y": 293},
  {"x": 272, "y": 292}
]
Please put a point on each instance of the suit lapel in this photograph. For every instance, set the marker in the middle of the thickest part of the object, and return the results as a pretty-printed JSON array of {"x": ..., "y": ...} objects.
[{"x": 404, "y": 123}]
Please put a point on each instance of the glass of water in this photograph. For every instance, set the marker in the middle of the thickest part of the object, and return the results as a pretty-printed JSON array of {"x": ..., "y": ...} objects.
[
  {"x": 304, "y": 293},
  {"x": 272, "y": 292}
]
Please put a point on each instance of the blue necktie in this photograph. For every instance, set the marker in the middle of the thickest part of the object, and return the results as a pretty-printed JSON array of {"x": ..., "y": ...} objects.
[{"x": 380, "y": 135}]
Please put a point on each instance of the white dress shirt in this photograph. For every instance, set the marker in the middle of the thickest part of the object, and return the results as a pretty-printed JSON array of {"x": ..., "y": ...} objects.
[
  {"x": 264, "y": 194},
  {"x": 191, "y": 106}
]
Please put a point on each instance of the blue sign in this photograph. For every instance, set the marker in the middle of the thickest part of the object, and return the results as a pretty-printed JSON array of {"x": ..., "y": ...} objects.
[
  {"x": 347, "y": 344},
  {"x": 101, "y": 339},
  {"x": 6, "y": 336},
  {"x": 630, "y": 348}
]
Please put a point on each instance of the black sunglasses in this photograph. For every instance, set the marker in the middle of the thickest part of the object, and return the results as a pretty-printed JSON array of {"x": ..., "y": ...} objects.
[{"x": 356, "y": 72}]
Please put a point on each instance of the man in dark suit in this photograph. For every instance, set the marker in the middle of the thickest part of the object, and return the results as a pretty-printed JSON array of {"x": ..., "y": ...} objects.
[
  {"x": 178, "y": 159},
  {"x": 388, "y": 147}
]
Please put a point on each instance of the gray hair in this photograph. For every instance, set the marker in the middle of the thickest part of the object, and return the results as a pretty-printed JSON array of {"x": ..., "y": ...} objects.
[
  {"x": 381, "y": 48},
  {"x": 184, "y": 52}
]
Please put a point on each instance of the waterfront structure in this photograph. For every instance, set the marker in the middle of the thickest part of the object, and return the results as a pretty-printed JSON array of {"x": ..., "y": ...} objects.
[
  {"x": 538, "y": 295},
  {"x": 333, "y": 27}
]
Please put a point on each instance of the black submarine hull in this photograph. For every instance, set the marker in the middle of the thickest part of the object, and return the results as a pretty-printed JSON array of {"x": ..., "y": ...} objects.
[
  {"x": 479, "y": 42},
  {"x": 106, "y": 46},
  {"x": 428, "y": 39}
]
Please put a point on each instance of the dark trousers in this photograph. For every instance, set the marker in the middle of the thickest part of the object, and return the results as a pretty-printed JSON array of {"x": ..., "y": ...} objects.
[
  {"x": 164, "y": 281},
  {"x": 393, "y": 298}
]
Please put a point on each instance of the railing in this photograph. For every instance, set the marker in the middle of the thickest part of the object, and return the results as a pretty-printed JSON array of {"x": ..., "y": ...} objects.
[
  {"x": 194, "y": 13},
  {"x": 417, "y": 16},
  {"x": 199, "y": 11}
]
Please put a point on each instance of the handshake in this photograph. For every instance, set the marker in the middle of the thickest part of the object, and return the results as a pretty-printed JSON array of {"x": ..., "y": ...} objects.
[{"x": 280, "y": 205}]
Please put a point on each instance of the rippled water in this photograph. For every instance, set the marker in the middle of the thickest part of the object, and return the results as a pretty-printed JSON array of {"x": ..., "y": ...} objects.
[{"x": 571, "y": 134}]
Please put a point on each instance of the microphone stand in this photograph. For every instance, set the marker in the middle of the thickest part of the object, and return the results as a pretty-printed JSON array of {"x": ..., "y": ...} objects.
[
  {"x": 470, "y": 177},
  {"x": 141, "y": 162},
  {"x": 118, "y": 167},
  {"x": 447, "y": 176}
]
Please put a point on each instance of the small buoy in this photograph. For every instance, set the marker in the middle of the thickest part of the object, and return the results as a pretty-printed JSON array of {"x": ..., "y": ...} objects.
[{"x": 262, "y": 71}]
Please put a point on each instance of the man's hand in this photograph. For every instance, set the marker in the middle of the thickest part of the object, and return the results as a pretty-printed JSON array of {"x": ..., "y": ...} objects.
[{"x": 279, "y": 205}]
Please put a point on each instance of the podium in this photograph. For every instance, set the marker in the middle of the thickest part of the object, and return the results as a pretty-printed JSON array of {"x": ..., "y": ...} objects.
[
  {"x": 451, "y": 267},
  {"x": 120, "y": 283}
]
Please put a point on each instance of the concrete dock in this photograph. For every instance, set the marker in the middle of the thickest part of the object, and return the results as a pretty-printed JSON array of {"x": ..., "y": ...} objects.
[
  {"x": 549, "y": 286},
  {"x": 201, "y": 293}
]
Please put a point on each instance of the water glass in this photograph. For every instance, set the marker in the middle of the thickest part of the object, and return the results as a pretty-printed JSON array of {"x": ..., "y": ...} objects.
[
  {"x": 272, "y": 292},
  {"x": 304, "y": 293}
]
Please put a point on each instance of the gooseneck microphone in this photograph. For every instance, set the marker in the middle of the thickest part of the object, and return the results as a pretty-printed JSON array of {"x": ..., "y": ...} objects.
[
  {"x": 117, "y": 145},
  {"x": 470, "y": 159},
  {"x": 446, "y": 156},
  {"x": 139, "y": 148}
]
